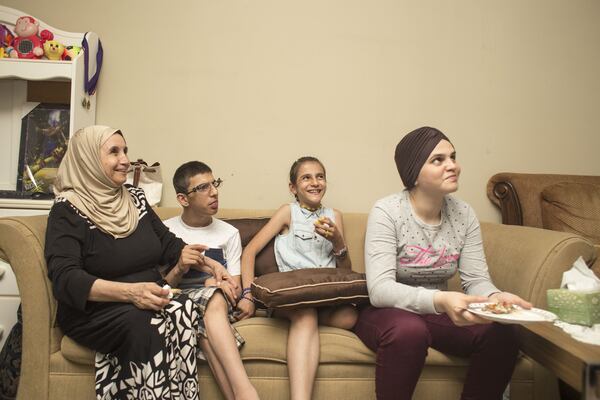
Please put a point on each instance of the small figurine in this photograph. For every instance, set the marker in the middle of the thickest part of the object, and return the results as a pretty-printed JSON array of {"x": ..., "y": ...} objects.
[{"x": 28, "y": 44}]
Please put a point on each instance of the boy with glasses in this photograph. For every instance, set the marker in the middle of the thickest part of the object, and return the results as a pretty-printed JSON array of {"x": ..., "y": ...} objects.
[{"x": 198, "y": 194}]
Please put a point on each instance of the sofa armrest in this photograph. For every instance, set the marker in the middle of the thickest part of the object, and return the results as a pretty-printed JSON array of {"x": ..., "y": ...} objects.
[
  {"x": 528, "y": 261},
  {"x": 519, "y": 195},
  {"x": 22, "y": 242}
]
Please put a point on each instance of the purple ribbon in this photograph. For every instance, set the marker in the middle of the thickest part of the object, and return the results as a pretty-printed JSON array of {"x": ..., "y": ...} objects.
[{"x": 90, "y": 84}]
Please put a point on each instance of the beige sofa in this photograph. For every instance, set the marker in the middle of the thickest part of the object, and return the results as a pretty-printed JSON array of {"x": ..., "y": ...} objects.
[{"x": 523, "y": 260}]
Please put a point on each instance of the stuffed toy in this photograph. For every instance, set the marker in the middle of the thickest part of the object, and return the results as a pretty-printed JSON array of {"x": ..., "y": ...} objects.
[
  {"x": 71, "y": 52},
  {"x": 6, "y": 36},
  {"x": 53, "y": 50},
  {"x": 27, "y": 43}
]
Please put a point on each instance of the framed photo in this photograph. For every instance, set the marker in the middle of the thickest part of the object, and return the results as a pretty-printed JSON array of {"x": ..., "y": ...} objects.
[{"x": 44, "y": 139}]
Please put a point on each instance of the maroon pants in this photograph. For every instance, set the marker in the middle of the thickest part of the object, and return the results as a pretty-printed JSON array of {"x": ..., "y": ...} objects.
[{"x": 401, "y": 339}]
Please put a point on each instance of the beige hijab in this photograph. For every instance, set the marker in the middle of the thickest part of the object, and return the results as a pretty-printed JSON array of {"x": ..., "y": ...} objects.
[{"x": 82, "y": 181}]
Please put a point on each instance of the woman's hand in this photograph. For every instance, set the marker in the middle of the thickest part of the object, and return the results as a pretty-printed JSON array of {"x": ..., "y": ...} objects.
[
  {"x": 148, "y": 296},
  {"x": 456, "y": 304},
  {"x": 510, "y": 299},
  {"x": 191, "y": 256},
  {"x": 325, "y": 227},
  {"x": 245, "y": 307}
]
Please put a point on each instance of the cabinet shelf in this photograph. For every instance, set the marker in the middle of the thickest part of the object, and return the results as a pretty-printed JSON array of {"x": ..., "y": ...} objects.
[{"x": 36, "y": 70}]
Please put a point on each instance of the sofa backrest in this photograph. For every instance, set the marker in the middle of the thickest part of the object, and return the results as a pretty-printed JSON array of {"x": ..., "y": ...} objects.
[
  {"x": 249, "y": 222},
  {"x": 528, "y": 188}
]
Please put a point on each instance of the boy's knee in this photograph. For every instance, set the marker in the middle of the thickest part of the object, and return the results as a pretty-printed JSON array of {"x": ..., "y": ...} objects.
[{"x": 217, "y": 303}]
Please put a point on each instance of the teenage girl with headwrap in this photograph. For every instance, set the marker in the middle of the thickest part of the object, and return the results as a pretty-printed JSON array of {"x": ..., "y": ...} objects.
[
  {"x": 103, "y": 246},
  {"x": 416, "y": 240}
]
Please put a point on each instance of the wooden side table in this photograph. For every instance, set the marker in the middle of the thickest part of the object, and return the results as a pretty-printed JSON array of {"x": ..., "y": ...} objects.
[{"x": 566, "y": 357}]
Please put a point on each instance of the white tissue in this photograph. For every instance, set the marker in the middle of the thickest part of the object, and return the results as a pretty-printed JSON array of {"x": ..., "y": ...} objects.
[
  {"x": 170, "y": 295},
  {"x": 585, "y": 334},
  {"x": 580, "y": 277}
]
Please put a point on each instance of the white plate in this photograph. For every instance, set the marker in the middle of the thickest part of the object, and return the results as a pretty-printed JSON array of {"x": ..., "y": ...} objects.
[{"x": 518, "y": 316}]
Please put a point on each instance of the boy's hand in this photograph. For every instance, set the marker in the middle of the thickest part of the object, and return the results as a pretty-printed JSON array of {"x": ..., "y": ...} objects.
[
  {"x": 220, "y": 273},
  {"x": 228, "y": 288}
]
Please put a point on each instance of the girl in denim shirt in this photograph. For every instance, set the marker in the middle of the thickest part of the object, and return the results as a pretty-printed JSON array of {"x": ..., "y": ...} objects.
[{"x": 307, "y": 235}]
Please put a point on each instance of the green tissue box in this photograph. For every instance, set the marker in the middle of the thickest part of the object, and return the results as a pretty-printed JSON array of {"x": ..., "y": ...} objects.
[{"x": 575, "y": 307}]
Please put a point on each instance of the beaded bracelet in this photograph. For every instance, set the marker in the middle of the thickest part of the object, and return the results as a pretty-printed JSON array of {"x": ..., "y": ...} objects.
[
  {"x": 247, "y": 298},
  {"x": 246, "y": 291}
]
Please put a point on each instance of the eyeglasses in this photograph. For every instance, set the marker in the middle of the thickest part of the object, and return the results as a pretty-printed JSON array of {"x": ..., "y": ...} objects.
[{"x": 205, "y": 187}]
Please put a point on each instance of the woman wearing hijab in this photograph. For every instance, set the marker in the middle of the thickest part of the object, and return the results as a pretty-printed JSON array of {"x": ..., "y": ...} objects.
[
  {"x": 104, "y": 244},
  {"x": 416, "y": 240}
]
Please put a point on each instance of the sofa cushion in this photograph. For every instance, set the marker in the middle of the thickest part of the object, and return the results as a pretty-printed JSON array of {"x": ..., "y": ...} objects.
[
  {"x": 266, "y": 339},
  {"x": 572, "y": 207},
  {"x": 310, "y": 287}
]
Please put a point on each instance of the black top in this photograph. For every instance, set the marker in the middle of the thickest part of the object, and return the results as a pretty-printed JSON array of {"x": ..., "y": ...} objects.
[{"x": 78, "y": 252}]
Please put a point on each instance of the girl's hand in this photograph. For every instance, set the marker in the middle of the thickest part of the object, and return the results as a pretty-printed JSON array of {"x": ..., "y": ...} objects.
[
  {"x": 148, "y": 296},
  {"x": 191, "y": 256},
  {"x": 325, "y": 227},
  {"x": 245, "y": 307},
  {"x": 510, "y": 299},
  {"x": 456, "y": 304}
]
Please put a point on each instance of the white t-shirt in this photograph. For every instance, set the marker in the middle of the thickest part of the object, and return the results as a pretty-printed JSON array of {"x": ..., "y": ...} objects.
[{"x": 218, "y": 234}]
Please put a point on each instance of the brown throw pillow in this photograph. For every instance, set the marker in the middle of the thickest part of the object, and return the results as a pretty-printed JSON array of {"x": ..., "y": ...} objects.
[
  {"x": 311, "y": 287},
  {"x": 572, "y": 207}
]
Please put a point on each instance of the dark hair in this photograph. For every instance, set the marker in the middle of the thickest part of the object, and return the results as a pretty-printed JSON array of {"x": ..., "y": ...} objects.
[
  {"x": 181, "y": 178},
  {"x": 296, "y": 166}
]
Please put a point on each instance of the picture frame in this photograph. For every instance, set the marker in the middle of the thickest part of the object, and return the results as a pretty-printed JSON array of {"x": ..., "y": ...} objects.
[{"x": 44, "y": 139}]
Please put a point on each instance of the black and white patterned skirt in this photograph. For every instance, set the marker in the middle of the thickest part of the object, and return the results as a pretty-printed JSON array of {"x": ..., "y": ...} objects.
[{"x": 157, "y": 356}]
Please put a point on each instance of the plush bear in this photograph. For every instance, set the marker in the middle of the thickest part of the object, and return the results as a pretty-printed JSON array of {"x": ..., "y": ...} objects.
[
  {"x": 27, "y": 43},
  {"x": 53, "y": 50}
]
